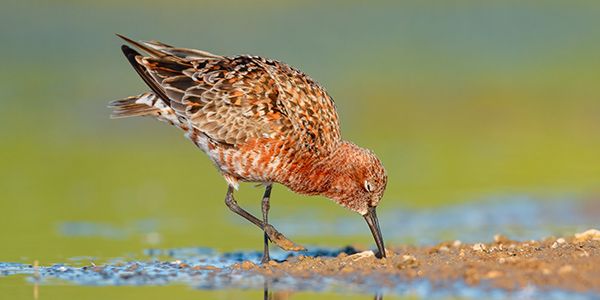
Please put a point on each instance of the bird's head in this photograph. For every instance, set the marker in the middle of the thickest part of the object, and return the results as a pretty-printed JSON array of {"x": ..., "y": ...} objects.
[{"x": 358, "y": 183}]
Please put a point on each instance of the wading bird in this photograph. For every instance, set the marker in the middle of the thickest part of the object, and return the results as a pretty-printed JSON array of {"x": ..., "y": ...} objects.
[{"x": 258, "y": 120}]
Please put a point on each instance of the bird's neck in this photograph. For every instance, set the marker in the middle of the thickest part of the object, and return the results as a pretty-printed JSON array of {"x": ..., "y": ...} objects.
[{"x": 316, "y": 175}]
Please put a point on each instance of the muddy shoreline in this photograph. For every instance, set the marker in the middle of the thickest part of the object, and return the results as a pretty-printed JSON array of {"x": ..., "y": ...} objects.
[{"x": 569, "y": 264}]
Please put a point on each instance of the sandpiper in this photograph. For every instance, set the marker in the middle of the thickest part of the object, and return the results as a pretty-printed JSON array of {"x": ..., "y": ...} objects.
[{"x": 258, "y": 120}]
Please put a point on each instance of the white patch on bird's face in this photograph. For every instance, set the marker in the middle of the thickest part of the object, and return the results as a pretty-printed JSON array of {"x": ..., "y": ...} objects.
[{"x": 368, "y": 186}]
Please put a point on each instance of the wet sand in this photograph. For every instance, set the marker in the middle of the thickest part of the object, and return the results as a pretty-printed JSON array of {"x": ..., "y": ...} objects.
[
  {"x": 569, "y": 264},
  {"x": 567, "y": 267}
]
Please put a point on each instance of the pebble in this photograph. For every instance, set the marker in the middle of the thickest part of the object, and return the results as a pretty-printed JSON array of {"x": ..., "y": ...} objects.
[
  {"x": 408, "y": 258},
  {"x": 183, "y": 265},
  {"x": 499, "y": 238},
  {"x": 479, "y": 247},
  {"x": 247, "y": 265},
  {"x": 590, "y": 234},
  {"x": 408, "y": 261},
  {"x": 362, "y": 255},
  {"x": 557, "y": 243}
]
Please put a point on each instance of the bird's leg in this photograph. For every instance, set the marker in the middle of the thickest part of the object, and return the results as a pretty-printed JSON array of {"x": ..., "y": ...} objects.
[
  {"x": 266, "y": 293},
  {"x": 274, "y": 235},
  {"x": 265, "y": 213},
  {"x": 234, "y": 207}
]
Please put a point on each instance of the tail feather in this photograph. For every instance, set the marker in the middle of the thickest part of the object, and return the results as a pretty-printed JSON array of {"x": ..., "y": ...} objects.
[{"x": 141, "y": 105}]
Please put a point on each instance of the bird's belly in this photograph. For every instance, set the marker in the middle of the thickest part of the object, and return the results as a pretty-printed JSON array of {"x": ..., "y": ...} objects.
[{"x": 244, "y": 164}]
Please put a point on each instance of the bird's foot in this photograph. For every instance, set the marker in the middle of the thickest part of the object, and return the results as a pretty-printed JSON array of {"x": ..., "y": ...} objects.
[
  {"x": 280, "y": 240},
  {"x": 265, "y": 260}
]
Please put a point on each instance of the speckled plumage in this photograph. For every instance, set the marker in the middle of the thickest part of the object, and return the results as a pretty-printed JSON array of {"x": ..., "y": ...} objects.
[{"x": 257, "y": 119}]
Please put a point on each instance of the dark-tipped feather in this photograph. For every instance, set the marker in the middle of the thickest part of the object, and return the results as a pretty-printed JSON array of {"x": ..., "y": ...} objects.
[
  {"x": 151, "y": 51},
  {"x": 154, "y": 86}
]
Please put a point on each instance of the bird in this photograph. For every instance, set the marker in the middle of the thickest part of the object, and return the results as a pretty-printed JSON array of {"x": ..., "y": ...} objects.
[{"x": 260, "y": 121}]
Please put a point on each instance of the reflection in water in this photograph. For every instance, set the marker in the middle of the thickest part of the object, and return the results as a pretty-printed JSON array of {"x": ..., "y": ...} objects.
[
  {"x": 269, "y": 295},
  {"x": 36, "y": 278}
]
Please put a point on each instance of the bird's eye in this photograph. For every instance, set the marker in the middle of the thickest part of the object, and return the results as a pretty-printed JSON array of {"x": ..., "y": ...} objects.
[{"x": 368, "y": 186}]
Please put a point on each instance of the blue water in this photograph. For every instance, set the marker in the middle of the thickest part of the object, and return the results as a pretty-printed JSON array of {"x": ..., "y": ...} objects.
[{"x": 520, "y": 218}]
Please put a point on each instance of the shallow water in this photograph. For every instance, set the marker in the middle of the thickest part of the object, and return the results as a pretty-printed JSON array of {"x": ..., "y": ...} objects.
[
  {"x": 518, "y": 218},
  {"x": 153, "y": 272},
  {"x": 521, "y": 218}
]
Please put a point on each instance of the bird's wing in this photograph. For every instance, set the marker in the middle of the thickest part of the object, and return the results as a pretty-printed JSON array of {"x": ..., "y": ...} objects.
[
  {"x": 307, "y": 105},
  {"x": 235, "y": 99}
]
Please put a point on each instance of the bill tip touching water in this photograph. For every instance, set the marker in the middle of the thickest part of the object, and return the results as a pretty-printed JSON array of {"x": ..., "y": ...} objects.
[{"x": 258, "y": 120}]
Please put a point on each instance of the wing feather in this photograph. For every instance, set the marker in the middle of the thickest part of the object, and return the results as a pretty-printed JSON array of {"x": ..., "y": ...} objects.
[{"x": 234, "y": 99}]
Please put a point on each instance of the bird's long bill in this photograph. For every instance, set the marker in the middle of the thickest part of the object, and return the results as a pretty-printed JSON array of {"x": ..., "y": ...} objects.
[{"x": 371, "y": 218}]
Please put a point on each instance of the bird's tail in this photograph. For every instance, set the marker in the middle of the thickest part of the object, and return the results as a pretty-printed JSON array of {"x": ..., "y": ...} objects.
[
  {"x": 146, "y": 104},
  {"x": 140, "y": 105}
]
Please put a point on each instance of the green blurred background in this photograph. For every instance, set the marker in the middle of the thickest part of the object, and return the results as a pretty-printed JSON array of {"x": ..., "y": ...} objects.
[{"x": 462, "y": 100}]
